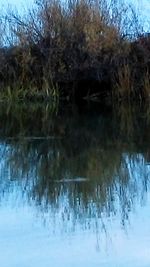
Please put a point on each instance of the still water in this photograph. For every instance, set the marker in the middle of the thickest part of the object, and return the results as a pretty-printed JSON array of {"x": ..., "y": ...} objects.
[{"x": 74, "y": 187}]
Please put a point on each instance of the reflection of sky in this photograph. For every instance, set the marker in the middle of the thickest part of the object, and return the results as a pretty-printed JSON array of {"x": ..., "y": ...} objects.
[
  {"x": 25, "y": 242},
  {"x": 17, "y": 3},
  {"x": 29, "y": 238}
]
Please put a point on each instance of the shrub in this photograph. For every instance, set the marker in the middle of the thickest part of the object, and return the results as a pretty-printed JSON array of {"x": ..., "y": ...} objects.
[{"x": 57, "y": 42}]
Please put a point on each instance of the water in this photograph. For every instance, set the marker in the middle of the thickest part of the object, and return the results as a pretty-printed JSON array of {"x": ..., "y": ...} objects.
[{"x": 74, "y": 187}]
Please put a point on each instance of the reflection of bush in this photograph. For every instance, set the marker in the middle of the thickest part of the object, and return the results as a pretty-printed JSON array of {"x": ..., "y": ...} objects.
[
  {"x": 82, "y": 146},
  {"x": 110, "y": 180}
]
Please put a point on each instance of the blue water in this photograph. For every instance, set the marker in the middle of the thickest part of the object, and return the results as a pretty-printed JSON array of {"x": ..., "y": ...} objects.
[{"x": 69, "y": 201}]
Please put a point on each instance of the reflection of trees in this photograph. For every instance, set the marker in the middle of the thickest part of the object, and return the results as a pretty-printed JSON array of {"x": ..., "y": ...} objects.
[{"x": 78, "y": 146}]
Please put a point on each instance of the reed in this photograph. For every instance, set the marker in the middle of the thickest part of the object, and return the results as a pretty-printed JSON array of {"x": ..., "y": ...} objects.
[
  {"x": 123, "y": 83},
  {"x": 146, "y": 85}
]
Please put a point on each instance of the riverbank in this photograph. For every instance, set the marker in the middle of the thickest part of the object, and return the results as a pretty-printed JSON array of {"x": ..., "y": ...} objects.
[{"x": 80, "y": 50}]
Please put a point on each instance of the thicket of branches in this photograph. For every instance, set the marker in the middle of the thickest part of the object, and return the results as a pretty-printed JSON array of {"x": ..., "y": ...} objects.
[{"x": 58, "y": 42}]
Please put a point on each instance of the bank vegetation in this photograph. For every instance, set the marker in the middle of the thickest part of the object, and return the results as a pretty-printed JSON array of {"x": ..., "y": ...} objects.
[{"x": 75, "y": 49}]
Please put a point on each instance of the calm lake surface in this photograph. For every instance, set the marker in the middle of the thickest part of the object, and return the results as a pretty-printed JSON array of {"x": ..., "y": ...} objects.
[{"x": 74, "y": 187}]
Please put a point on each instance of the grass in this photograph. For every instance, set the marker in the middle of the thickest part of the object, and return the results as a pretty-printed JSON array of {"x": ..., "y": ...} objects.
[
  {"x": 20, "y": 93},
  {"x": 146, "y": 86},
  {"x": 123, "y": 86}
]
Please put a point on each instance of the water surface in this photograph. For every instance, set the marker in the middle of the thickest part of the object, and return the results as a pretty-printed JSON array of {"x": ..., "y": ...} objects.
[{"x": 74, "y": 187}]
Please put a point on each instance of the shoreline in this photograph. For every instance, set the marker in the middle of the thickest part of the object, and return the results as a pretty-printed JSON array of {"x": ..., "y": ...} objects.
[{"x": 74, "y": 52}]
